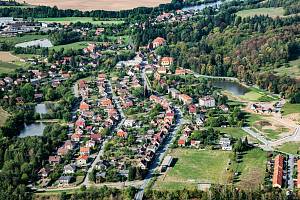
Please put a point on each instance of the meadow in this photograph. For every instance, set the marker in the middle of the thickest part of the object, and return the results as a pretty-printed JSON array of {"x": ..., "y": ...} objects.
[
  {"x": 4, "y": 115},
  {"x": 271, "y": 12}
]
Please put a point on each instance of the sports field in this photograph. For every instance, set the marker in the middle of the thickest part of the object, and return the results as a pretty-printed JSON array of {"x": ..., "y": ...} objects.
[
  {"x": 68, "y": 20},
  {"x": 97, "y": 4}
]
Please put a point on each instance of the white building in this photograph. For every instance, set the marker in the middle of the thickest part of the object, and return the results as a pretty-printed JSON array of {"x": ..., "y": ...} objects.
[{"x": 207, "y": 101}]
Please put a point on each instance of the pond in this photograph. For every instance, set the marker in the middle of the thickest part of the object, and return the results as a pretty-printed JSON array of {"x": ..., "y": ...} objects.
[
  {"x": 202, "y": 6},
  {"x": 41, "y": 108},
  {"x": 234, "y": 87},
  {"x": 35, "y": 129}
]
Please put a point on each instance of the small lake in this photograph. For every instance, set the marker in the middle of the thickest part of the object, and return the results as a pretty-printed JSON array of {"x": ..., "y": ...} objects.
[
  {"x": 231, "y": 86},
  {"x": 202, "y": 6},
  {"x": 35, "y": 129},
  {"x": 41, "y": 108}
]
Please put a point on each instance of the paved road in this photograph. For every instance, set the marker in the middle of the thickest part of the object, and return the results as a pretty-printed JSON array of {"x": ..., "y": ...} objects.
[
  {"x": 75, "y": 90},
  {"x": 160, "y": 154}
]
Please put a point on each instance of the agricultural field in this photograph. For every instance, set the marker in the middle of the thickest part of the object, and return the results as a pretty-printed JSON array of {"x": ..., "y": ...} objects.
[
  {"x": 251, "y": 169},
  {"x": 4, "y": 115},
  {"x": 97, "y": 4},
  {"x": 293, "y": 70},
  {"x": 290, "y": 147},
  {"x": 194, "y": 166},
  {"x": 271, "y": 12}
]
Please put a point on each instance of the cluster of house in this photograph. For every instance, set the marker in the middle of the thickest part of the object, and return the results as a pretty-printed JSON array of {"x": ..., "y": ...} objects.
[
  {"x": 266, "y": 108},
  {"x": 163, "y": 125},
  {"x": 177, "y": 16},
  {"x": 84, "y": 136}
]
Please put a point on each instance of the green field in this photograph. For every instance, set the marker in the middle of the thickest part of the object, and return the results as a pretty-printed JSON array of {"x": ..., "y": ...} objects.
[
  {"x": 21, "y": 39},
  {"x": 291, "y": 108},
  {"x": 6, "y": 67},
  {"x": 195, "y": 166},
  {"x": 237, "y": 133},
  {"x": 290, "y": 147},
  {"x": 251, "y": 169},
  {"x": 255, "y": 94},
  {"x": 74, "y": 46},
  {"x": 271, "y": 12},
  {"x": 68, "y": 20},
  {"x": 4, "y": 115}
]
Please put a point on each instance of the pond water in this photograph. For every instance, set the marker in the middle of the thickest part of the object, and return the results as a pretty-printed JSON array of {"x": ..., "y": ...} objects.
[
  {"x": 202, "y": 6},
  {"x": 231, "y": 86},
  {"x": 41, "y": 108},
  {"x": 35, "y": 129}
]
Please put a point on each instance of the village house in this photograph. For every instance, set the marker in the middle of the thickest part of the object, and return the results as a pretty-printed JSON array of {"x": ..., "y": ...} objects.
[
  {"x": 180, "y": 71},
  {"x": 44, "y": 172},
  {"x": 182, "y": 141},
  {"x": 54, "y": 160},
  {"x": 69, "y": 169},
  {"x": 159, "y": 41},
  {"x": 174, "y": 93},
  {"x": 82, "y": 160},
  {"x": 166, "y": 61},
  {"x": 207, "y": 101},
  {"x": 192, "y": 109},
  {"x": 65, "y": 180},
  {"x": 225, "y": 144},
  {"x": 185, "y": 99},
  {"x": 84, "y": 151},
  {"x": 162, "y": 70},
  {"x": 121, "y": 133}
]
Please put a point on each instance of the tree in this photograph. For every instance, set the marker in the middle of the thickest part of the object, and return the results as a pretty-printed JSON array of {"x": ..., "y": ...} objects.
[
  {"x": 27, "y": 92},
  {"x": 131, "y": 173}
]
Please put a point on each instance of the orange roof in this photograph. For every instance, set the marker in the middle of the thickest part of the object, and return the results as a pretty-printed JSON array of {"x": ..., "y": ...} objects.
[
  {"x": 159, "y": 40},
  {"x": 298, "y": 177},
  {"x": 84, "y": 106},
  {"x": 278, "y": 171},
  {"x": 84, "y": 157},
  {"x": 121, "y": 133},
  {"x": 84, "y": 149},
  {"x": 185, "y": 97},
  {"x": 181, "y": 141},
  {"x": 167, "y": 59}
]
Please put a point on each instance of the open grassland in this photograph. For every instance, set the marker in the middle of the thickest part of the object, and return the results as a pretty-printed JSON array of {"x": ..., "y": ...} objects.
[
  {"x": 21, "y": 39},
  {"x": 271, "y": 12},
  {"x": 290, "y": 147},
  {"x": 97, "y": 4},
  {"x": 4, "y": 115},
  {"x": 251, "y": 169},
  {"x": 68, "y": 20},
  {"x": 291, "y": 108},
  {"x": 255, "y": 94},
  {"x": 195, "y": 166}
]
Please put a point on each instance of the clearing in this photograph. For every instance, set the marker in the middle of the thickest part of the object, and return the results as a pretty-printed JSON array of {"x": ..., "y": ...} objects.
[
  {"x": 194, "y": 166},
  {"x": 237, "y": 133},
  {"x": 290, "y": 147},
  {"x": 97, "y": 4},
  {"x": 6, "y": 67},
  {"x": 74, "y": 46},
  {"x": 21, "y": 39},
  {"x": 251, "y": 169},
  {"x": 4, "y": 116},
  {"x": 6, "y": 56},
  {"x": 289, "y": 108},
  {"x": 292, "y": 71},
  {"x": 68, "y": 20},
  {"x": 271, "y": 12}
]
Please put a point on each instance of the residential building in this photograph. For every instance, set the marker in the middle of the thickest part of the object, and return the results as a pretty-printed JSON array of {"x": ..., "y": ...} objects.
[
  {"x": 159, "y": 41},
  {"x": 207, "y": 101},
  {"x": 278, "y": 171}
]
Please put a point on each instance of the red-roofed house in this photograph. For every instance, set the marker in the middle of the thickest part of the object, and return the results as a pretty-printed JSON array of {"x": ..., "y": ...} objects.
[
  {"x": 84, "y": 106},
  {"x": 121, "y": 133},
  {"x": 84, "y": 151},
  {"x": 159, "y": 41},
  {"x": 54, "y": 160},
  {"x": 167, "y": 61},
  {"x": 278, "y": 171}
]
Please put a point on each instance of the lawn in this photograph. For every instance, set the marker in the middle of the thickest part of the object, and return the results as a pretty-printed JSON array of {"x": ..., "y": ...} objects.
[
  {"x": 293, "y": 70},
  {"x": 289, "y": 108},
  {"x": 271, "y": 12},
  {"x": 195, "y": 166},
  {"x": 68, "y": 20},
  {"x": 6, "y": 56},
  {"x": 21, "y": 39},
  {"x": 4, "y": 115},
  {"x": 74, "y": 46},
  {"x": 290, "y": 147},
  {"x": 251, "y": 169}
]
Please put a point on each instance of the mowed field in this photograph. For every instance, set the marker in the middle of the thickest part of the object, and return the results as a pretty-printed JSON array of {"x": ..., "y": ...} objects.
[
  {"x": 271, "y": 12},
  {"x": 7, "y": 62},
  {"x": 68, "y": 20},
  {"x": 195, "y": 166},
  {"x": 97, "y": 4},
  {"x": 4, "y": 115}
]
